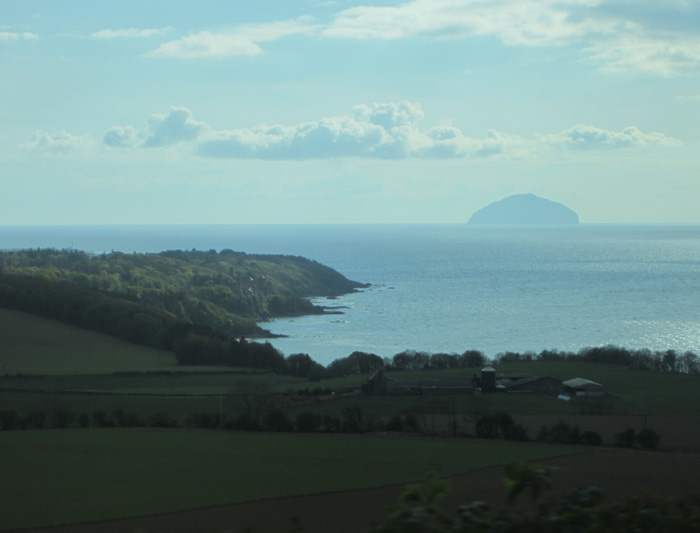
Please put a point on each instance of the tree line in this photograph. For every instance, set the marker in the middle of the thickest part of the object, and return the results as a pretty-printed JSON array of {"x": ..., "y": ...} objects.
[{"x": 667, "y": 361}]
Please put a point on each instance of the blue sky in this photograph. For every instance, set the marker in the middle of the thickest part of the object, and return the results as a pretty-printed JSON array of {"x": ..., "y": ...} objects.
[{"x": 423, "y": 111}]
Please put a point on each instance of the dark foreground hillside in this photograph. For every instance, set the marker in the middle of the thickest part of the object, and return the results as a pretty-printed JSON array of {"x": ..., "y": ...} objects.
[{"x": 620, "y": 474}]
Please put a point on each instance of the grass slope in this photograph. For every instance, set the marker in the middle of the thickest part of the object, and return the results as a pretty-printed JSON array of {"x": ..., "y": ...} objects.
[
  {"x": 34, "y": 345},
  {"x": 64, "y": 476}
]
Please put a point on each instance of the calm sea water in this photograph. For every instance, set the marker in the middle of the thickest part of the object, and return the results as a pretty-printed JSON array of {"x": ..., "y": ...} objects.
[{"x": 453, "y": 287}]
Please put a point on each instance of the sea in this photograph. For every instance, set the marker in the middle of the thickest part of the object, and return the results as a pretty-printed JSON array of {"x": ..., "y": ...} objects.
[{"x": 455, "y": 287}]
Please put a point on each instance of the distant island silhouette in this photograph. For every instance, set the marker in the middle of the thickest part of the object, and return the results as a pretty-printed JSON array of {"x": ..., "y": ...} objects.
[{"x": 524, "y": 209}]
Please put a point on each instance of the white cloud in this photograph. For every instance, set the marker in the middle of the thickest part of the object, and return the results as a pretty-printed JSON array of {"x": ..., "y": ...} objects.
[
  {"x": 689, "y": 98},
  {"x": 173, "y": 127},
  {"x": 389, "y": 115},
  {"x": 61, "y": 142},
  {"x": 8, "y": 36},
  {"x": 327, "y": 137},
  {"x": 380, "y": 130},
  {"x": 241, "y": 41},
  {"x": 622, "y": 36},
  {"x": 589, "y": 137},
  {"x": 128, "y": 33},
  {"x": 667, "y": 57},
  {"x": 124, "y": 136},
  {"x": 652, "y": 37},
  {"x": 207, "y": 44},
  {"x": 531, "y": 22}
]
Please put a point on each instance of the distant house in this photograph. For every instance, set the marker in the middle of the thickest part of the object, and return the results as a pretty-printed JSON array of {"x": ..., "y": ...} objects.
[{"x": 582, "y": 387}]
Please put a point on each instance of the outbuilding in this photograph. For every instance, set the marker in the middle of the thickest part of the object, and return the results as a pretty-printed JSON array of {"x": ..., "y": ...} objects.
[
  {"x": 582, "y": 387},
  {"x": 535, "y": 385}
]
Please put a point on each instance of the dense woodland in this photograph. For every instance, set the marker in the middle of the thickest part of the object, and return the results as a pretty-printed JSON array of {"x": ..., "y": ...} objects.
[
  {"x": 227, "y": 291},
  {"x": 200, "y": 305}
]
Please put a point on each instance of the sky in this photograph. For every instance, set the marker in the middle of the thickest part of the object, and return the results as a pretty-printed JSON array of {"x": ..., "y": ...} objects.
[{"x": 422, "y": 111}]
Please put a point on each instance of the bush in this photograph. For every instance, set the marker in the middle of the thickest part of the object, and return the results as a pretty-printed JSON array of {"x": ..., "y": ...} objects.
[
  {"x": 162, "y": 420},
  {"x": 500, "y": 425},
  {"x": 395, "y": 423},
  {"x": 9, "y": 419},
  {"x": 277, "y": 421},
  {"x": 648, "y": 439},
  {"x": 307, "y": 422},
  {"x": 583, "y": 510},
  {"x": 102, "y": 419},
  {"x": 203, "y": 420},
  {"x": 591, "y": 438},
  {"x": 62, "y": 418}
]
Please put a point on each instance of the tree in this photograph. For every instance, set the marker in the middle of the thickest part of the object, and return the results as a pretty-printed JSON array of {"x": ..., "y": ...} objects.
[{"x": 472, "y": 359}]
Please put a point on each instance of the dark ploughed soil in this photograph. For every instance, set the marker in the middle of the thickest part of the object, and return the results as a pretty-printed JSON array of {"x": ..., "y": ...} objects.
[{"x": 618, "y": 472}]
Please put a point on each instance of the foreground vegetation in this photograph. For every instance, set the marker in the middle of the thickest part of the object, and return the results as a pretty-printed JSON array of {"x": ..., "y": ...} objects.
[{"x": 583, "y": 510}]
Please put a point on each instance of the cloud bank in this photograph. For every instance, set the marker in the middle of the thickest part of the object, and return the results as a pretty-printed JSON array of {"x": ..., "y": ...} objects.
[
  {"x": 61, "y": 143},
  {"x": 244, "y": 40},
  {"x": 8, "y": 36},
  {"x": 128, "y": 33},
  {"x": 380, "y": 130},
  {"x": 644, "y": 35}
]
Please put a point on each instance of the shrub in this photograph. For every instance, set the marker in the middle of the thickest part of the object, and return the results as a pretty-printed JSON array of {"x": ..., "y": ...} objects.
[
  {"x": 36, "y": 419},
  {"x": 625, "y": 439},
  {"x": 591, "y": 438},
  {"x": 648, "y": 439},
  {"x": 162, "y": 420},
  {"x": 62, "y": 418},
  {"x": 277, "y": 420},
  {"x": 203, "y": 420},
  {"x": 102, "y": 419},
  {"x": 9, "y": 419},
  {"x": 307, "y": 422},
  {"x": 583, "y": 510},
  {"x": 395, "y": 423},
  {"x": 84, "y": 420}
]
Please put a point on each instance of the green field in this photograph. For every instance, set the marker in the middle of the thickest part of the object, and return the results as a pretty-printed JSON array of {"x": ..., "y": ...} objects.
[
  {"x": 55, "y": 476},
  {"x": 34, "y": 345}
]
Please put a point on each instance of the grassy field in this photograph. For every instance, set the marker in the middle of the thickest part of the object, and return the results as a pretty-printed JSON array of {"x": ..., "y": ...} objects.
[
  {"x": 77, "y": 475},
  {"x": 34, "y": 345},
  {"x": 63, "y": 476}
]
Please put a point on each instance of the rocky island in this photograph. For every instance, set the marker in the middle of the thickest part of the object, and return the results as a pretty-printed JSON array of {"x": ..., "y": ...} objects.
[{"x": 524, "y": 209}]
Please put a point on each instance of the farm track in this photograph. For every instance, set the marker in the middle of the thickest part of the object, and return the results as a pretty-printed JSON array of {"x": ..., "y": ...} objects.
[{"x": 619, "y": 473}]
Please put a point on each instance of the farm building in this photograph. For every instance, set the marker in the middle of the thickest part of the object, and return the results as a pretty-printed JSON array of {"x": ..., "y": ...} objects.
[
  {"x": 517, "y": 382},
  {"x": 486, "y": 381},
  {"x": 380, "y": 383},
  {"x": 534, "y": 385},
  {"x": 582, "y": 387}
]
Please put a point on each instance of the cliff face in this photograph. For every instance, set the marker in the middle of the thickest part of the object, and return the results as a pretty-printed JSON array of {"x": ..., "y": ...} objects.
[{"x": 524, "y": 209}]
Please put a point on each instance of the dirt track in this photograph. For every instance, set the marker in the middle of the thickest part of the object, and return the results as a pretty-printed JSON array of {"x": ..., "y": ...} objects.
[{"x": 617, "y": 472}]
